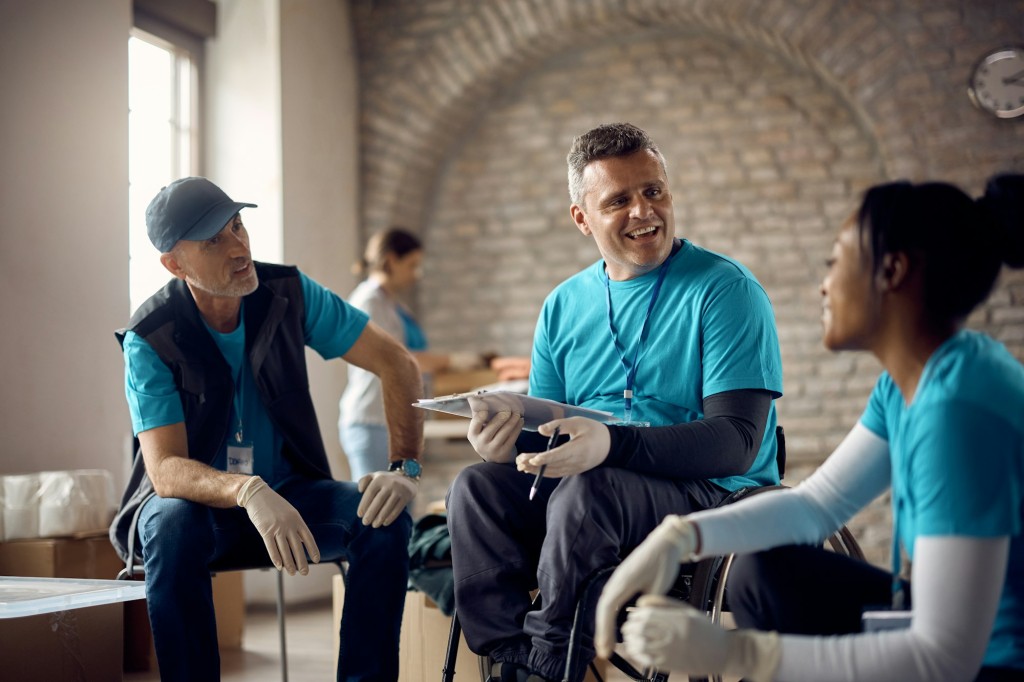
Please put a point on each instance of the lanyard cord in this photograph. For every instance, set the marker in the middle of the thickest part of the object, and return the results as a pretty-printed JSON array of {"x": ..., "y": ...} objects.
[
  {"x": 630, "y": 368},
  {"x": 237, "y": 399}
]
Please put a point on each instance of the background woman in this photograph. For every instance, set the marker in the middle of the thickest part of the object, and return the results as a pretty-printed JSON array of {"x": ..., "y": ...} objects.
[
  {"x": 391, "y": 265},
  {"x": 944, "y": 429}
]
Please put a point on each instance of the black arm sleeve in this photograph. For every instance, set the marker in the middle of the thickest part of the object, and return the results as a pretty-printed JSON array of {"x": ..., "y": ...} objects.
[{"x": 724, "y": 443}]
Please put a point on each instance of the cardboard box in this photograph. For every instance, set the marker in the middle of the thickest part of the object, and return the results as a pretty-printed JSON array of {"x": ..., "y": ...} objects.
[
  {"x": 446, "y": 383},
  {"x": 93, "y": 556},
  {"x": 229, "y": 605},
  {"x": 85, "y": 557},
  {"x": 424, "y": 641},
  {"x": 77, "y": 644}
]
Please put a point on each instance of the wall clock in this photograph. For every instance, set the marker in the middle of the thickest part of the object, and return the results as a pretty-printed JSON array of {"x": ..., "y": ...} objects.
[{"x": 996, "y": 84}]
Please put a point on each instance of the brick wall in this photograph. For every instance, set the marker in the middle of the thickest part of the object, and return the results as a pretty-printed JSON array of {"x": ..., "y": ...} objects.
[{"x": 772, "y": 115}]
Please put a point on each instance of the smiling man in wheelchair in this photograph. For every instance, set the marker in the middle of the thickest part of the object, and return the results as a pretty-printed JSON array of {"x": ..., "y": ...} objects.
[{"x": 677, "y": 342}]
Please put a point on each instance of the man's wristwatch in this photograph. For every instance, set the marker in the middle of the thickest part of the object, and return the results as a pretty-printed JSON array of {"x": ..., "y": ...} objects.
[{"x": 408, "y": 467}]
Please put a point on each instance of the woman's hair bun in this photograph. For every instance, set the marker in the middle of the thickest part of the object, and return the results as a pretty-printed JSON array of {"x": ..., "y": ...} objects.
[{"x": 1004, "y": 201}]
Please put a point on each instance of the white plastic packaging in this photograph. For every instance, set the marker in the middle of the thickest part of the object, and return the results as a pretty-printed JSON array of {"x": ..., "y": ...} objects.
[
  {"x": 56, "y": 503},
  {"x": 21, "y": 506}
]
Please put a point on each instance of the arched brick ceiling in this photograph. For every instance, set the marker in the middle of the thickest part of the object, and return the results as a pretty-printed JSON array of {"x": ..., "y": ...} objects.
[{"x": 431, "y": 90}]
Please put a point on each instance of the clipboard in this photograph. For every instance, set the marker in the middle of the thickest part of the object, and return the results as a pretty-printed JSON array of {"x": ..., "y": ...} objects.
[{"x": 535, "y": 411}]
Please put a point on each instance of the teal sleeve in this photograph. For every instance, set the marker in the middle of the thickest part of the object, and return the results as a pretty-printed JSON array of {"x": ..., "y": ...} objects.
[
  {"x": 153, "y": 399},
  {"x": 545, "y": 381},
  {"x": 964, "y": 471},
  {"x": 739, "y": 341},
  {"x": 331, "y": 325}
]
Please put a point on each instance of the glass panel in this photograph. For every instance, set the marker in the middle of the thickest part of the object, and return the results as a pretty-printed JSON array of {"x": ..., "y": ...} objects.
[{"x": 161, "y": 144}]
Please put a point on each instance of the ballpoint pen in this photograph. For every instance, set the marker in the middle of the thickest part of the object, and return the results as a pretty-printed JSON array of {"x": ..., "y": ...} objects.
[{"x": 540, "y": 474}]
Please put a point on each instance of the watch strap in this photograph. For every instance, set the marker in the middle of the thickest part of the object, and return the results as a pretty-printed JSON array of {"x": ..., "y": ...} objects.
[{"x": 408, "y": 467}]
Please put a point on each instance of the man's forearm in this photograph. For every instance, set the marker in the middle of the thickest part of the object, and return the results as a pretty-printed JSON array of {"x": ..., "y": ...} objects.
[
  {"x": 174, "y": 474},
  {"x": 191, "y": 480},
  {"x": 402, "y": 386}
]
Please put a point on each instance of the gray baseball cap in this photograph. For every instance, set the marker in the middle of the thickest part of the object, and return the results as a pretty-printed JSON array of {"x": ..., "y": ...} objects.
[{"x": 190, "y": 208}]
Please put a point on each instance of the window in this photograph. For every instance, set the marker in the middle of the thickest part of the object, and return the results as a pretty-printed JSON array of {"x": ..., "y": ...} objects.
[{"x": 165, "y": 54}]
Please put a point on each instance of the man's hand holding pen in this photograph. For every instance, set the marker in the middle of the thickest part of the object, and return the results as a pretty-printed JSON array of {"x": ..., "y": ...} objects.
[{"x": 589, "y": 442}]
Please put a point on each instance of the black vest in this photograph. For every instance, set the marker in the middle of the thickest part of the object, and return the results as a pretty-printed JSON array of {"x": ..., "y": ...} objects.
[{"x": 275, "y": 344}]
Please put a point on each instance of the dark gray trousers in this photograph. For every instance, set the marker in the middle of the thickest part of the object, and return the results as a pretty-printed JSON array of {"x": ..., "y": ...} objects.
[
  {"x": 504, "y": 545},
  {"x": 811, "y": 591}
]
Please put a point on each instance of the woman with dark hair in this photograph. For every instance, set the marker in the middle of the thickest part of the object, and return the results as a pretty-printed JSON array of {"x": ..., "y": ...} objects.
[
  {"x": 391, "y": 267},
  {"x": 943, "y": 429}
]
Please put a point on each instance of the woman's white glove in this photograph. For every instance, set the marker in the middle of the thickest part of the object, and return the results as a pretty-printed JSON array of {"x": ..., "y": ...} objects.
[
  {"x": 464, "y": 361},
  {"x": 283, "y": 530},
  {"x": 651, "y": 568},
  {"x": 667, "y": 634},
  {"x": 493, "y": 430},
  {"x": 385, "y": 495}
]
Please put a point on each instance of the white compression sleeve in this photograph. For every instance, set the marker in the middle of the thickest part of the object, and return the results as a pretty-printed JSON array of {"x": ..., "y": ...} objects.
[
  {"x": 956, "y": 584},
  {"x": 856, "y": 473}
]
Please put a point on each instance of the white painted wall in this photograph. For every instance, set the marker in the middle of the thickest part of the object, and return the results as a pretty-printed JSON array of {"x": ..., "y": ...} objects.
[
  {"x": 243, "y": 116},
  {"x": 320, "y": 161},
  {"x": 63, "y": 234}
]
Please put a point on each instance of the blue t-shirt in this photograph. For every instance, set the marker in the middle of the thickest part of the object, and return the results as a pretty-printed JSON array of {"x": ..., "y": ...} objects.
[
  {"x": 331, "y": 326},
  {"x": 711, "y": 330},
  {"x": 958, "y": 462}
]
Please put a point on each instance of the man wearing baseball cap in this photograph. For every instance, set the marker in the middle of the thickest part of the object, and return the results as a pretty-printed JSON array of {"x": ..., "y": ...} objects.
[{"x": 230, "y": 468}]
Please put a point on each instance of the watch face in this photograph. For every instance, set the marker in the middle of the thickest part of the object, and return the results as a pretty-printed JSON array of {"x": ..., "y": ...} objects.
[
  {"x": 997, "y": 83},
  {"x": 412, "y": 468}
]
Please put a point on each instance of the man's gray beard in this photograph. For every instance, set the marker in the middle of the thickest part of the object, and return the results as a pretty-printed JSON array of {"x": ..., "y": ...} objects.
[{"x": 232, "y": 290}]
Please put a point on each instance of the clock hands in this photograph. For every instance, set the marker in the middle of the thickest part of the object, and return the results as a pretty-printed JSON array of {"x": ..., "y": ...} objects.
[{"x": 1015, "y": 79}]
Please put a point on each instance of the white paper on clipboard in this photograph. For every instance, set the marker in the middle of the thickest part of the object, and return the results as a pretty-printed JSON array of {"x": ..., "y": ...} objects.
[{"x": 535, "y": 411}]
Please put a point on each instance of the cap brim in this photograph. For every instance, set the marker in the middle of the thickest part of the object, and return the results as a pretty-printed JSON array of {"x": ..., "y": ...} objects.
[{"x": 215, "y": 220}]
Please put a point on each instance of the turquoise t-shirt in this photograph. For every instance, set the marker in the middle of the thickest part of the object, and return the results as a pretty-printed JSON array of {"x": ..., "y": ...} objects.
[
  {"x": 711, "y": 330},
  {"x": 958, "y": 462},
  {"x": 331, "y": 326}
]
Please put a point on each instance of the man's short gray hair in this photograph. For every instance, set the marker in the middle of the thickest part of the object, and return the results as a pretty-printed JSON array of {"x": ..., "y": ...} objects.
[{"x": 602, "y": 142}]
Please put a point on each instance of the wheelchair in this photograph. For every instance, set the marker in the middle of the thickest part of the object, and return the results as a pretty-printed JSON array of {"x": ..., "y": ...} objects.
[{"x": 703, "y": 585}]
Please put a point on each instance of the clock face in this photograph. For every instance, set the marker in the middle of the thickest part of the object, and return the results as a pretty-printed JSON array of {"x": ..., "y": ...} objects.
[{"x": 997, "y": 83}]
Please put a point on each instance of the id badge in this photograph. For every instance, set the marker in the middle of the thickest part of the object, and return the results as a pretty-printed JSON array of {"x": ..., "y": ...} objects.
[{"x": 240, "y": 458}]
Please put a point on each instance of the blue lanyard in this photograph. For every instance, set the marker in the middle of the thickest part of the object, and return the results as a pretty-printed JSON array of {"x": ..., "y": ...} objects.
[
  {"x": 630, "y": 368},
  {"x": 238, "y": 400}
]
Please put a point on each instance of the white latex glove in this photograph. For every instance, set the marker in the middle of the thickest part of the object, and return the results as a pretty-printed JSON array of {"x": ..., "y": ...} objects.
[
  {"x": 464, "y": 361},
  {"x": 667, "y": 634},
  {"x": 283, "y": 530},
  {"x": 651, "y": 568},
  {"x": 385, "y": 495},
  {"x": 589, "y": 442},
  {"x": 493, "y": 429}
]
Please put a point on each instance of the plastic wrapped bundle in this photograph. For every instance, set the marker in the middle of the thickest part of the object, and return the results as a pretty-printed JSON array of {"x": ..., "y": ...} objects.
[
  {"x": 56, "y": 503},
  {"x": 21, "y": 506}
]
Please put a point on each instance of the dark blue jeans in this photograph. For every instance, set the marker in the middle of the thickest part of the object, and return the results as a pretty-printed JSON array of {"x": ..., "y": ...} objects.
[{"x": 182, "y": 542}]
